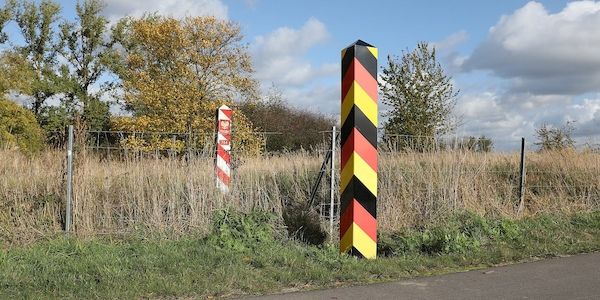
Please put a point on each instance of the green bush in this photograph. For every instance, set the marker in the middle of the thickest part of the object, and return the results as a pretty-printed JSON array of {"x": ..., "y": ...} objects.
[
  {"x": 297, "y": 128},
  {"x": 237, "y": 231},
  {"x": 19, "y": 128},
  {"x": 463, "y": 233}
]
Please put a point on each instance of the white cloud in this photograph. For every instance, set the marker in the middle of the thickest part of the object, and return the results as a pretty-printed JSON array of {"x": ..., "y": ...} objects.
[
  {"x": 447, "y": 51},
  {"x": 587, "y": 117},
  {"x": 321, "y": 98},
  {"x": 542, "y": 52},
  {"x": 279, "y": 57},
  {"x": 115, "y": 9},
  {"x": 484, "y": 114},
  {"x": 507, "y": 117},
  {"x": 251, "y": 3},
  {"x": 544, "y": 64},
  {"x": 451, "y": 41}
]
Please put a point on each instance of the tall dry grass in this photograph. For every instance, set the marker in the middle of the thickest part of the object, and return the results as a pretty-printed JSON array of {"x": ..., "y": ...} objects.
[
  {"x": 176, "y": 196},
  {"x": 420, "y": 188}
]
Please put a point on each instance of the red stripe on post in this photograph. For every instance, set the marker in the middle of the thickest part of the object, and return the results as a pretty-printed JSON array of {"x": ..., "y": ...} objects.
[
  {"x": 357, "y": 73},
  {"x": 224, "y": 154},
  {"x": 357, "y": 143},
  {"x": 222, "y": 176},
  {"x": 228, "y": 113},
  {"x": 348, "y": 80},
  {"x": 358, "y": 215}
]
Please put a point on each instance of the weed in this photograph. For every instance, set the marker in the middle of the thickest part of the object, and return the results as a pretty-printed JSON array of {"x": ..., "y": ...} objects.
[{"x": 236, "y": 231}]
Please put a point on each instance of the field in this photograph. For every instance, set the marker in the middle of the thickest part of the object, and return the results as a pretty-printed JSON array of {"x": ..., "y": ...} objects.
[
  {"x": 157, "y": 228},
  {"x": 174, "y": 196}
]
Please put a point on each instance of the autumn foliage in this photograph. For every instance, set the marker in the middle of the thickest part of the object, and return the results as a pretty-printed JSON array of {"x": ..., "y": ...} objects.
[
  {"x": 175, "y": 73},
  {"x": 18, "y": 128},
  {"x": 152, "y": 74}
]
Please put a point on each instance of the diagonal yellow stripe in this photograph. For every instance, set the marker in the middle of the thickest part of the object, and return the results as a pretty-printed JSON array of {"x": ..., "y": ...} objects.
[
  {"x": 357, "y": 238},
  {"x": 358, "y": 167},
  {"x": 343, "y": 53},
  {"x": 374, "y": 51},
  {"x": 357, "y": 96}
]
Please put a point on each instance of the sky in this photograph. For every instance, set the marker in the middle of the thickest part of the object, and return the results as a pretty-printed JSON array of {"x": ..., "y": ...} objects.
[{"x": 518, "y": 64}]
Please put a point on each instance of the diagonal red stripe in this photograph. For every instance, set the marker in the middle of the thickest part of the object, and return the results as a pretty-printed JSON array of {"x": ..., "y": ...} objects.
[
  {"x": 346, "y": 219},
  {"x": 356, "y": 142},
  {"x": 356, "y": 72},
  {"x": 223, "y": 153},
  {"x": 228, "y": 113},
  {"x": 348, "y": 80},
  {"x": 366, "y": 81},
  {"x": 358, "y": 215},
  {"x": 222, "y": 176}
]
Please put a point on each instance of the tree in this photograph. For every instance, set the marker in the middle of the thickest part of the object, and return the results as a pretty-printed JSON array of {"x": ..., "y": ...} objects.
[
  {"x": 484, "y": 144},
  {"x": 6, "y": 14},
  {"x": 37, "y": 24},
  {"x": 38, "y": 73},
  {"x": 16, "y": 74},
  {"x": 420, "y": 94},
  {"x": 476, "y": 144},
  {"x": 175, "y": 73},
  {"x": 86, "y": 53},
  {"x": 295, "y": 129},
  {"x": 18, "y": 128},
  {"x": 555, "y": 139}
]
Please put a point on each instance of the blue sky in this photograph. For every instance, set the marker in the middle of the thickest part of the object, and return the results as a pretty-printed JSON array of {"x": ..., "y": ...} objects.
[{"x": 518, "y": 64}]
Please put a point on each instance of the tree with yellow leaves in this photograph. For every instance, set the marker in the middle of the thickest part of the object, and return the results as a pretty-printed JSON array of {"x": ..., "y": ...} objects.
[{"x": 176, "y": 72}]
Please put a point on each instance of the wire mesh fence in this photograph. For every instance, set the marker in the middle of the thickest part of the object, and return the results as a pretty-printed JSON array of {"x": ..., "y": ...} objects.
[
  {"x": 131, "y": 144},
  {"x": 420, "y": 179}
]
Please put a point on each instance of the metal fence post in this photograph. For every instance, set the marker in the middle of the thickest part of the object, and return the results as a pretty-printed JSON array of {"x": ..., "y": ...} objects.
[
  {"x": 522, "y": 178},
  {"x": 332, "y": 182},
  {"x": 69, "y": 208}
]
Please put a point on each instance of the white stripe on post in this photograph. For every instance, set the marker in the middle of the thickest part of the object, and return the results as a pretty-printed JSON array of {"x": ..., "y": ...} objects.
[{"x": 223, "y": 153}]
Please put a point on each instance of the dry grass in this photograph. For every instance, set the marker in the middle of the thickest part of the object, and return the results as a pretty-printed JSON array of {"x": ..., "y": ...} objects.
[
  {"x": 417, "y": 189},
  {"x": 173, "y": 196}
]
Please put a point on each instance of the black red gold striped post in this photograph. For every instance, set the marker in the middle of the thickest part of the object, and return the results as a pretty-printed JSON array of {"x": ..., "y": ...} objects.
[{"x": 358, "y": 180}]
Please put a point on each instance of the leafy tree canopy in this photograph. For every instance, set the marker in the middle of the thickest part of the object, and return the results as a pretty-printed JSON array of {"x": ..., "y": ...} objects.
[
  {"x": 37, "y": 24},
  {"x": 176, "y": 73},
  {"x": 419, "y": 92},
  {"x": 291, "y": 128},
  {"x": 19, "y": 128},
  {"x": 555, "y": 139}
]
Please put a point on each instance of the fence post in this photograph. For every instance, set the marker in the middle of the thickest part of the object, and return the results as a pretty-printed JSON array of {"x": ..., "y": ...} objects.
[
  {"x": 332, "y": 182},
  {"x": 322, "y": 171},
  {"x": 69, "y": 209},
  {"x": 522, "y": 178}
]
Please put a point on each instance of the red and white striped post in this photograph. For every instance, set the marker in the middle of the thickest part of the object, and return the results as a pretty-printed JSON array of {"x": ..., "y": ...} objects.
[{"x": 223, "y": 160}]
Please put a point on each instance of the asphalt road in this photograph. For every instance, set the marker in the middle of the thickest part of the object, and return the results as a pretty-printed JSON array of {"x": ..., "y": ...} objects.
[{"x": 575, "y": 277}]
